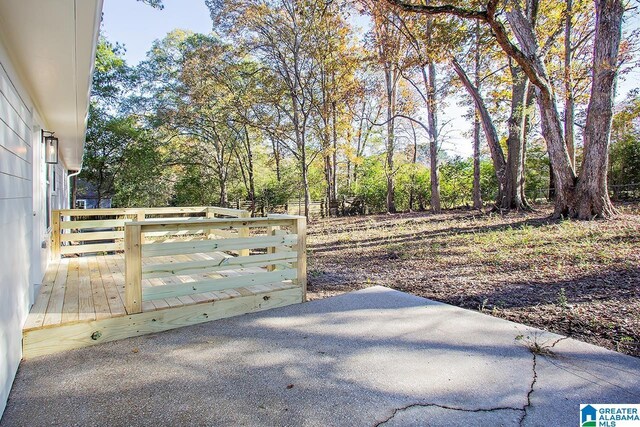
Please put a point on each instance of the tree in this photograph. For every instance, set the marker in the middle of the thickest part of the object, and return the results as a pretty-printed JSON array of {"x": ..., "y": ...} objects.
[
  {"x": 390, "y": 47},
  {"x": 624, "y": 168},
  {"x": 110, "y": 133},
  {"x": 582, "y": 196},
  {"x": 281, "y": 35}
]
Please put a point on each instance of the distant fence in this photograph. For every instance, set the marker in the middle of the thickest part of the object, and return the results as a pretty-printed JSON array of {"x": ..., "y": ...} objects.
[
  {"x": 346, "y": 206},
  {"x": 292, "y": 207}
]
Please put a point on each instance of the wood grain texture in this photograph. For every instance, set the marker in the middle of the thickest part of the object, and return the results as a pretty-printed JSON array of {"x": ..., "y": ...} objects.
[
  {"x": 40, "y": 342},
  {"x": 133, "y": 269}
]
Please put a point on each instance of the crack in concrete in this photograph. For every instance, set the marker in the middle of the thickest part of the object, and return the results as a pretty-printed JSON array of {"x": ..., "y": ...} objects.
[
  {"x": 558, "y": 340},
  {"x": 452, "y": 408},
  {"x": 524, "y": 409}
]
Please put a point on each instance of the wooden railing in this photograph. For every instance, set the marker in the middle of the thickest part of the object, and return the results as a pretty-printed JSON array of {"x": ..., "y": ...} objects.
[
  {"x": 259, "y": 251},
  {"x": 81, "y": 231}
]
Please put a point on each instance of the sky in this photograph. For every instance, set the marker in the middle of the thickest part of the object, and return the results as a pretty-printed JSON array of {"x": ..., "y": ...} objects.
[{"x": 137, "y": 25}]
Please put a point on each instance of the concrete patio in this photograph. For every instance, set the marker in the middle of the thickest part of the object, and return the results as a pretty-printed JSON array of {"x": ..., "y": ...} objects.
[{"x": 373, "y": 357}]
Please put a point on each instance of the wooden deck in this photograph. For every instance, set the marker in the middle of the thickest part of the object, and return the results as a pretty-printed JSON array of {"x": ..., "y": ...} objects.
[
  {"x": 173, "y": 272},
  {"x": 92, "y": 288},
  {"x": 79, "y": 294}
]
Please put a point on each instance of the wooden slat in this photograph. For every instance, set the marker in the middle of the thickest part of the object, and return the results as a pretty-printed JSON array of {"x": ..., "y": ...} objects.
[
  {"x": 200, "y": 231},
  {"x": 244, "y": 232},
  {"x": 116, "y": 267},
  {"x": 95, "y": 247},
  {"x": 224, "y": 233},
  {"x": 175, "y": 210},
  {"x": 217, "y": 245},
  {"x": 98, "y": 212},
  {"x": 55, "y": 236},
  {"x": 200, "y": 223},
  {"x": 301, "y": 248},
  {"x": 98, "y": 223},
  {"x": 100, "y": 300},
  {"x": 218, "y": 284},
  {"x": 71, "y": 295},
  {"x": 86, "y": 310},
  {"x": 116, "y": 304},
  {"x": 132, "y": 211},
  {"x": 271, "y": 231},
  {"x": 54, "y": 309},
  {"x": 183, "y": 299},
  {"x": 228, "y": 211},
  {"x": 96, "y": 235},
  {"x": 39, "y": 309},
  {"x": 133, "y": 269},
  {"x": 190, "y": 238},
  {"x": 165, "y": 269}
]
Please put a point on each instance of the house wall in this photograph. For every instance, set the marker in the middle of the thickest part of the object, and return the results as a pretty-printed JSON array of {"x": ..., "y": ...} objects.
[{"x": 22, "y": 215}]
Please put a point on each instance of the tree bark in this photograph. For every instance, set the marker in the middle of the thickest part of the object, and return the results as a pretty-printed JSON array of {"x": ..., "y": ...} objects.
[
  {"x": 513, "y": 197},
  {"x": 592, "y": 196},
  {"x": 433, "y": 137},
  {"x": 432, "y": 118},
  {"x": 531, "y": 63},
  {"x": 390, "y": 148},
  {"x": 334, "y": 162},
  {"x": 569, "y": 103},
  {"x": 477, "y": 191},
  {"x": 250, "y": 171}
]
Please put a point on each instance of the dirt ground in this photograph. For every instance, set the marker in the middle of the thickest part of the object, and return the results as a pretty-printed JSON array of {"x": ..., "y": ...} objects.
[{"x": 580, "y": 279}]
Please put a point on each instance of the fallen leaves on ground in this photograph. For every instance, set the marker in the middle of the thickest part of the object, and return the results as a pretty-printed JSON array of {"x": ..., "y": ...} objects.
[{"x": 576, "y": 278}]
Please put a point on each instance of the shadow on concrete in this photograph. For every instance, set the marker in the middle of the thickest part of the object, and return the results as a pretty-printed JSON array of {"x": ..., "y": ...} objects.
[{"x": 355, "y": 359}]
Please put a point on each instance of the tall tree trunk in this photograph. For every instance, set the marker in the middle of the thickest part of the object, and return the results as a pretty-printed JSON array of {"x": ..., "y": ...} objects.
[
  {"x": 592, "y": 196},
  {"x": 250, "y": 171},
  {"x": 529, "y": 104},
  {"x": 513, "y": 197},
  {"x": 430, "y": 82},
  {"x": 333, "y": 204},
  {"x": 497, "y": 155},
  {"x": 326, "y": 141},
  {"x": 563, "y": 174},
  {"x": 390, "y": 81},
  {"x": 302, "y": 152},
  {"x": 569, "y": 105},
  {"x": 414, "y": 160},
  {"x": 276, "y": 158},
  {"x": 477, "y": 191},
  {"x": 223, "y": 190}
]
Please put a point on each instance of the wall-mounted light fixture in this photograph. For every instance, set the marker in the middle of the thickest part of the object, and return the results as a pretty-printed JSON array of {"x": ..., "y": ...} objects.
[{"x": 50, "y": 147}]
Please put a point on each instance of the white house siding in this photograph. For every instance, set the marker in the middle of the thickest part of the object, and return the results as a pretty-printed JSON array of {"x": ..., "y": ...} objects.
[{"x": 22, "y": 216}]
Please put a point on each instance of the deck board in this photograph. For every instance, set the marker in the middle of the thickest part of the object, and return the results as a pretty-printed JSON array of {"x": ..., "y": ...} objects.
[
  {"x": 100, "y": 300},
  {"x": 70, "y": 307},
  {"x": 53, "y": 316},
  {"x": 116, "y": 304},
  {"x": 39, "y": 309},
  {"x": 86, "y": 308}
]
